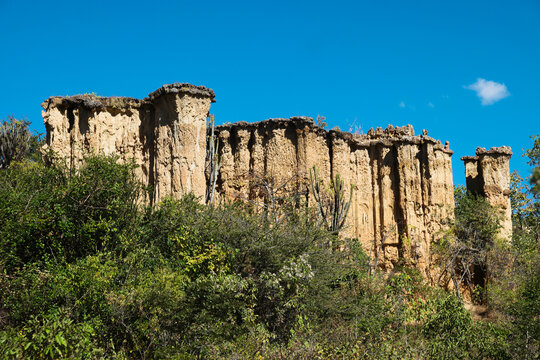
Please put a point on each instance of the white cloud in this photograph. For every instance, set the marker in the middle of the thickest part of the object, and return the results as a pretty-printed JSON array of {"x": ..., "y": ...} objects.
[
  {"x": 402, "y": 104},
  {"x": 489, "y": 91}
]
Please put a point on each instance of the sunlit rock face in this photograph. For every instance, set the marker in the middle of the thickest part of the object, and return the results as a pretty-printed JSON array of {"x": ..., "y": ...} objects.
[
  {"x": 402, "y": 183},
  {"x": 402, "y": 188}
]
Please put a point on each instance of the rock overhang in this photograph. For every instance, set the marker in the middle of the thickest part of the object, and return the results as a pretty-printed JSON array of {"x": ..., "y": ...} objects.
[{"x": 183, "y": 88}]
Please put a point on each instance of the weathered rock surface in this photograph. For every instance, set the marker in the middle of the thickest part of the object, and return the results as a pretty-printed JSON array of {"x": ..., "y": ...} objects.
[{"x": 402, "y": 183}]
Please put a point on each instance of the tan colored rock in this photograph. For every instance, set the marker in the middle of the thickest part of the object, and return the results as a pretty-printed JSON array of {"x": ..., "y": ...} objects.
[
  {"x": 402, "y": 183},
  {"x": 488, "y": 174},
  {"x": 164, "y": 134},
  {"x": 85, "y": 124},
  {"x": 180, "y": 142}
]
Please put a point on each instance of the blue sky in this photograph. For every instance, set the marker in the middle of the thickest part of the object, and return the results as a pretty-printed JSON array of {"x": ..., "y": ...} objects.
[{"x": 359, "y": 63}]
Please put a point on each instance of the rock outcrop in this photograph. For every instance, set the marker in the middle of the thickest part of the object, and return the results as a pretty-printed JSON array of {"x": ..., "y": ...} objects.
[
  {"x": 164, "y": 134},
  {"x": 401, "y": 183},
  {"x": 488, "y": 174}
]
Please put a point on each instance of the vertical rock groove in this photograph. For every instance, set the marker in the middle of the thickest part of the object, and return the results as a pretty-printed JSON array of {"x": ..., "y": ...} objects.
[
  {"x": 399, "y": 205},
  {"x": 374, "y": 188}
]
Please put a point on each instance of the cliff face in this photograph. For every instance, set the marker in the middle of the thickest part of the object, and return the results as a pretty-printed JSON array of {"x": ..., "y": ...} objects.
[
  {"x": 402, "y": 183},
  {"x": 164, "y": 134},
  {"x": 488, "y": 174}
]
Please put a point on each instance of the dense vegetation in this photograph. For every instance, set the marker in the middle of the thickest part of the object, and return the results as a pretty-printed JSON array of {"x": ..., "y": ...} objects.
[{"x": 87, "y": 272}]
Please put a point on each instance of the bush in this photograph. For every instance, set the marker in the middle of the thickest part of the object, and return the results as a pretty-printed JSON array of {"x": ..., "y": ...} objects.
[
  {"x": 278, "y": 260},
  {"x": 51, "y": 214},
  {"x": 466, "y": 247},
  {"x": 449, "y": 329},
  {"x": 52, "y": 336},
  {"x": 88, "y": 273}
]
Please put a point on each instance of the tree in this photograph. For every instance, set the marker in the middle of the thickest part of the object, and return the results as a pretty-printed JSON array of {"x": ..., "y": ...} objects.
[
  {"x": 535, "y": 181},
  {"x": 467, "y": 246},
  {"x": 534, "y": 160},
  {"x": 524, "y": 199},
  {"x": 534, "y": 152},
  {"x": 16, "y": 141},
  {"x": 51, "y": 213}
]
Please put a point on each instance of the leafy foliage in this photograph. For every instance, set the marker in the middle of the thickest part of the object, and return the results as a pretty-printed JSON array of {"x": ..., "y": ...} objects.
[
  {"x": 87, "y": 272},
  {"x": 466, "y": 247},
  {"x": 53, "y": 214},
  {"x": 52, "y": 336},
  {"x": 534, "y": 160}
]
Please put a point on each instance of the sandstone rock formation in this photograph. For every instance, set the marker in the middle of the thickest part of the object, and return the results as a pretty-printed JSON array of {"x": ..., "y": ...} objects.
[
  {"x": 488, "y": 174},
  {"x": 402, "y": 183},
  {"x": 165, "y": 134}
]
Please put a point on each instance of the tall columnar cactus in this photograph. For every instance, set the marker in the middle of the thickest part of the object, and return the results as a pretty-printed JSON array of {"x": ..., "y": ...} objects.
[
  {"x": 15, "y": 141},
  {"x": 213, "y": 164},
  {"x": 332, "y": 205}
]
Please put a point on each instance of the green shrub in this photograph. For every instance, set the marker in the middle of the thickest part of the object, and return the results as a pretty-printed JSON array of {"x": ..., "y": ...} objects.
[
  {"x": 525, "y": 315},
  {"x": 80, "y": 286},
  {"x": 53, "y": 335},
  {"x": 278, "y": 260},
  {"x": 449, "y": 329},
  {"x": 51, "y": 214},
  {"x": 465, "y": 248},
  {"x": 87, "y": 273}
]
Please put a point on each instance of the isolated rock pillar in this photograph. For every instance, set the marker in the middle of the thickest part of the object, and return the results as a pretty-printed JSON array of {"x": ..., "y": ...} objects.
[{"x": 488, "y": 174}]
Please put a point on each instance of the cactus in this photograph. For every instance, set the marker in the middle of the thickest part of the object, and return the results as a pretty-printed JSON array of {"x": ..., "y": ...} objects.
[
  {"x": 213, "y": 164},
  {"x": 15, "y": 141},
  {"x": 332, "y": 205}
]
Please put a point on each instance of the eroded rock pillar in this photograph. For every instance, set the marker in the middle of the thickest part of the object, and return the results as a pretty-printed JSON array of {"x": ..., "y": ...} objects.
[{"x": 488, "y": 174}]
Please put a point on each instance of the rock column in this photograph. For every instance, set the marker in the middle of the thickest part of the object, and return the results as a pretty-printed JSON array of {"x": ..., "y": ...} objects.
[
  {"x": 81, "y": 125},
  {"x": 181, "y": 111},
  {"x": 488, "y": 174},
  {"x": 165, "y": 134}
]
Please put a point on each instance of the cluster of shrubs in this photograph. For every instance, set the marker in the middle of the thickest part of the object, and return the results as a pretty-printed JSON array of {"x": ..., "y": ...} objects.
[{"x": 87, "y": 271}]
